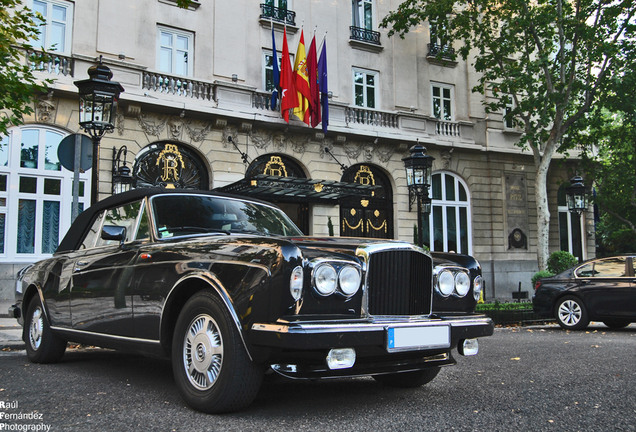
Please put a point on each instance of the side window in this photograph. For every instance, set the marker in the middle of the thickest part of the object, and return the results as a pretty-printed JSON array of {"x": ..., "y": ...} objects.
[
  {"x": 610, "y": 268},
  {"x": 93, "y": 234},
  {"x": 143, "y": 231},
  {"x": 586, "y": 270},
  {"x": 126, "y": 216}
]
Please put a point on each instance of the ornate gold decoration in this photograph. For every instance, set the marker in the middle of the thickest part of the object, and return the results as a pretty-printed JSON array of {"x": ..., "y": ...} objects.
[
  {"x": 353, "y": 212},
  {"x": 376, "y": 213},
  {"x": 168, "y": 161},
  {"x": 364, "y": 203},
  {"x": 369, "y": 224},
  {"x": 364, "y": 176},
  {"x": 275, "y": 167},
  {"x": 359, "y": 225},
  {"x": 253, "y": 183},
  {"x": 318, "y": 187}
]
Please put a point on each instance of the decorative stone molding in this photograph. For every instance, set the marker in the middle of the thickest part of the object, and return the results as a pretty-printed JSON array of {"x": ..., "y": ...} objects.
[
  {"x": 220, "y": 123},
  {"x": 385, "y": 154},
  {"x": 120, "y": 123},
  {"x": 261, "y": 138},
  {"x": 446, "y": 158},
  {"x": 353, "y": 150},
  {"x": 44, "y": 108},
  {"x": 195, "y": 134},
  {"x": 229, "y": 131},
  {"x": 246, "y": 127},
  {"x": 341, "y": 138},
  {"x": 133, "y": 110},
  {"x": 327, "y": 144},
  {"x": 153, "y": 126},
  {"x": 299, "y": 143},
  {"x": 175, "y": 128}
]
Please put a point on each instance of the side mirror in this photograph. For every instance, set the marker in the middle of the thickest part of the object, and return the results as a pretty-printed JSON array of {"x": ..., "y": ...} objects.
[{"x": 112, "y": 232}]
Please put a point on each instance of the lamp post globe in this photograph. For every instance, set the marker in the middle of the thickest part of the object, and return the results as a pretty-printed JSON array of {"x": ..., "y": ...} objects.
[
  {"x": 418, "y": 166},
  {"x": 98, "y": 97}
]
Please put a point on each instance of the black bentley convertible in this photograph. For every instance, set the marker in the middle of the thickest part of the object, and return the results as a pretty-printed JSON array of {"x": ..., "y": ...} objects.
[{"x": 228, "y": 288}]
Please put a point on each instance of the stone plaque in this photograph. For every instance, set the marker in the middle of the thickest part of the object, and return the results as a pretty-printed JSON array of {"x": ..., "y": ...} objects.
[{"x": 516, "y": 207}]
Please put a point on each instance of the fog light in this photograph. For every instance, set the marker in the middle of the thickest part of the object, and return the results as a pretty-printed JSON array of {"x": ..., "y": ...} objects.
[
  {"x": 468, "y": 347},
  {"x": 341, "y": 358}
]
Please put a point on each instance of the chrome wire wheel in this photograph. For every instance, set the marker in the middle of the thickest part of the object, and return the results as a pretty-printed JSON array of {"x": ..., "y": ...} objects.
[
  {"x": 570, "y": 313},
  {"x": 36, "y": 328},
  {"x": 203, "y": 352}
]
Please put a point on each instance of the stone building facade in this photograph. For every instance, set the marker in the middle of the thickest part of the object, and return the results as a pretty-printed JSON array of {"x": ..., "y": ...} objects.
[{"x": 197, "y": 84}]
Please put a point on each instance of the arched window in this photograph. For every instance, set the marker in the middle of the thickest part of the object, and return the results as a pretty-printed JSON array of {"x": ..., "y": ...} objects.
[
  {"x": 170, "y": 165},
  {"x": 570, "y": 227},
  {"x": 36, "y": 193},
  {"x": 450, "y": 216}
]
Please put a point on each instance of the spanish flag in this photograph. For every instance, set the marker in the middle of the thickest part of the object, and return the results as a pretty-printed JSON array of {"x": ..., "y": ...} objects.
[{"x": 301, "y": 80}]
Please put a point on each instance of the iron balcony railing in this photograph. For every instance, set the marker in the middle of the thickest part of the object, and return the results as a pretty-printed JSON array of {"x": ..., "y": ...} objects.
[
  {"x": 443, "y": 51},
  {"x": 278, "y": 14},
  {"x": 364, "y": 35}
]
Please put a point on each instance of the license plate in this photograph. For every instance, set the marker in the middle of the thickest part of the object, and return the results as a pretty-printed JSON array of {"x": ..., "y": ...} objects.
[{"x": 418, "y": 338}]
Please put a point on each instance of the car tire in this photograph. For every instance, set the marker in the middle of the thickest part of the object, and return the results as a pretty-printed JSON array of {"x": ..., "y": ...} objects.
[
  {"x": 571, "y": 313},
  {"x": 616, "y": 324},
  {"x": 42, "y": 346},
  {"x": 212, "y": 369},
  {"x": 408, "y": 379}
]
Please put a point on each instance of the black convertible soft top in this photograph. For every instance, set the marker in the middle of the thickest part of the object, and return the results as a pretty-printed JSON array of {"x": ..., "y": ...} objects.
[{"x": 85, "y": 219}]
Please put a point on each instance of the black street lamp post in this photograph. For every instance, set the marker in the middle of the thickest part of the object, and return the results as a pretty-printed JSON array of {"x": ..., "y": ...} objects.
[
  {"x": 418, "y": 179},
  {"x": 576, "y": 198},
  {"x": 97, "y": 106}
]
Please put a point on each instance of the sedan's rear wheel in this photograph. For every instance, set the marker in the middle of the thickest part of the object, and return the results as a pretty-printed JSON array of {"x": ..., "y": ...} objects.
[
  {"x": 408, "y": 379},
  {"x": 212, "y": 369},
  {"x": 571, "y": 313},
  {"x": 616, "y": 324},
  {"x": 42, "y": 346}
]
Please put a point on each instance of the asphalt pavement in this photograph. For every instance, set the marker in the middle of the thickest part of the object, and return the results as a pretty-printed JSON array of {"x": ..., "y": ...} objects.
[{"x": 10, "y": 330}]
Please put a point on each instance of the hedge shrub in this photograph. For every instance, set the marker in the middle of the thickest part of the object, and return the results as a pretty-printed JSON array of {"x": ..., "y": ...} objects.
[{"x": 560, "y": 261}]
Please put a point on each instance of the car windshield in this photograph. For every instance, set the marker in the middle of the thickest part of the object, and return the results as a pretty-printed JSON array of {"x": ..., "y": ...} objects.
[{"x": 182, "y": 215}]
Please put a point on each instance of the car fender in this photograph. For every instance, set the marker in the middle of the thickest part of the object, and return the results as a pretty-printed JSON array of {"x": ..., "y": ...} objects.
[{"x": 211, "y": 281}]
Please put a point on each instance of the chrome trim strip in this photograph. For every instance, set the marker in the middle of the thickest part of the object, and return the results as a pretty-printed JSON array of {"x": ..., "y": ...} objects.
[
  {"x": 313, "y": 328},
  {"x": 126, "y": 338}
]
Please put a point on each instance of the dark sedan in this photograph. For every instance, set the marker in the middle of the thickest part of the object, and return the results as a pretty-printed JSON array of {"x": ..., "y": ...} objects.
[
  {"x": 603, "y": 289},
  {"x": 228, "y": 288}
]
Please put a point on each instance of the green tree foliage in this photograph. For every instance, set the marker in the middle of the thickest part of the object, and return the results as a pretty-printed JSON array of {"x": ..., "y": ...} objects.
[
  {"x": 610, "y": 163},
  {"x": 18, "y": 85},
  {"x": 551, "y": 59},
  {"x": 560, "y": 261}
]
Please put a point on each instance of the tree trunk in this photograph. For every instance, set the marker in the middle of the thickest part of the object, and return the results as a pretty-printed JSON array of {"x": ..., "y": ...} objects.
[{"x": 543, "y": 216}]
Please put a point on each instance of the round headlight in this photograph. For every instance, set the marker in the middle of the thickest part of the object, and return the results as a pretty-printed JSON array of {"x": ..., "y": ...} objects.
[
  {"x": 296, "y": 283},
  {"x": 349, "y": 280},
  {"x": 446, "y": 283},
  {"x": 478, "y": 287},
  {"x": 462, "y": 284},
  {"x": 325, "y": 280}
]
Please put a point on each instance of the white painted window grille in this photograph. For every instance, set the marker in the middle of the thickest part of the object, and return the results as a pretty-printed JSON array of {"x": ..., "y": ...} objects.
[
  {"x": 56, "y": 31},
  {"x": 365, "y": 88},
  {"x": 175, "y": 51}
]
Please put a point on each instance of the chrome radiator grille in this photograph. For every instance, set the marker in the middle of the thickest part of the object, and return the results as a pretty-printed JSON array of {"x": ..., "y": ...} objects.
[{"x": 399, "y": 283}]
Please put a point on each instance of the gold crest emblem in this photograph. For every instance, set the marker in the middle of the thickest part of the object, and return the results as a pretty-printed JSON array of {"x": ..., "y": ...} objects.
[
  {"x": 275, "y": 167},
  {"x": 168, "y": 163}
]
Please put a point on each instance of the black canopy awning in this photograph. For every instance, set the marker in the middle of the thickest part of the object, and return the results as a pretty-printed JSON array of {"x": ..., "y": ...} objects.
[{"x": 274, "y": 188}]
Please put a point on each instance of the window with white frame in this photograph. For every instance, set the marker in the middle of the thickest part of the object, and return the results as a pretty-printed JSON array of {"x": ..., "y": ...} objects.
[
  {"x": 571, "y": 227},
  {"x": 175, "y": 49},
  {"x": 55, "y": 32},
  {"x": 280, "y": 4},
  {"x": 365, "y": 88},
  {"x": 439, "y": 34},
  {"x": 268, "y": 69},
  {"x": 36, "y": 193},
  {"x": 450, "y": 216},
  {"x": 443, "y": 104},
  {"x": 362, "y": 14},
  {"x": 508, "y": 120}
]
